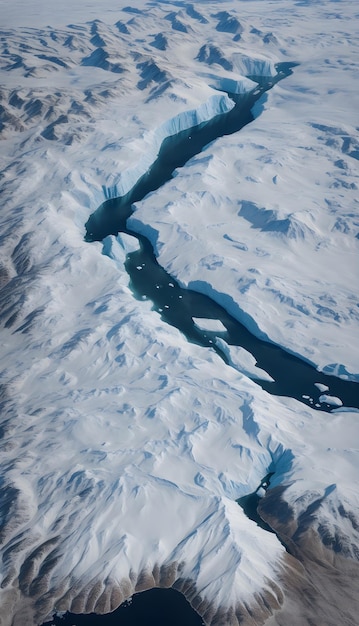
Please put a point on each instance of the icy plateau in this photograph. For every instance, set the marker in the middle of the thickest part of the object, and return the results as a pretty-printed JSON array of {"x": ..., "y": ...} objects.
[{"x": 124, "y": 447}]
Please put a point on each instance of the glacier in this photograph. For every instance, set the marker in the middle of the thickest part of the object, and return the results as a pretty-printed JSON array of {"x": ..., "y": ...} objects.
[
  {"x": 215, "y": 105},
  {"x": 124, "y": 448}
]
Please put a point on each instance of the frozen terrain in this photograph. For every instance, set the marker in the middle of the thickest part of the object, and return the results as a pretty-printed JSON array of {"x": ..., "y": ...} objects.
[{"x": 123, "y": 446}]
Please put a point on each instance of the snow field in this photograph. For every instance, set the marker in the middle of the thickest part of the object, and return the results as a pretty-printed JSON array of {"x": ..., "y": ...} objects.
[{"x": 109, "y": 415}]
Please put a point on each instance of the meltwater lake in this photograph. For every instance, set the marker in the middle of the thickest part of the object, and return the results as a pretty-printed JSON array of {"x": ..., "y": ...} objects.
[{"x": 155, "y": 607}]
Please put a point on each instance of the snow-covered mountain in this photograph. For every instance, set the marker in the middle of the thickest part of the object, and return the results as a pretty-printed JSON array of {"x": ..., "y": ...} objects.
[{"x": 124, "y": 447}]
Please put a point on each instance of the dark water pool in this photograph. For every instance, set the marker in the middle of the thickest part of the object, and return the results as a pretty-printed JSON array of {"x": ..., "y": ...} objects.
[
  {"x": 249, "y": 503},
  {"x": 155, "y": 607}
]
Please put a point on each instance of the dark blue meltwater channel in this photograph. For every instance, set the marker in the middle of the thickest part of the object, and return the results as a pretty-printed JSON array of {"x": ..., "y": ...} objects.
[
  {"x": 292, "y": 376},
  {"x": 178, "y": 306},
  {"x": 110, "y": 217}
]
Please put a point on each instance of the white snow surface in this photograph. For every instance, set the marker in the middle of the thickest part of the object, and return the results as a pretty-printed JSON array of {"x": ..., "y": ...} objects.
[
  {"x": 118, "y": 247},
  {"x": 124, "y": 445},
  {"x": 330, "y": 400},
  {"x": 243, "y": 361},
  {"x": 209, "y": 324}
]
